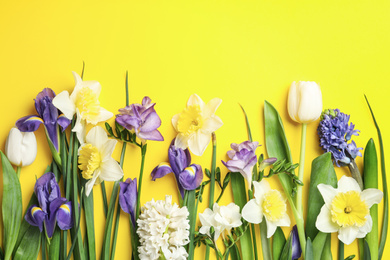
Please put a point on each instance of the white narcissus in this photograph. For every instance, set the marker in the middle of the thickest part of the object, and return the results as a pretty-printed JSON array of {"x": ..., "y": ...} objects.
[
  {"x": 196, "y": 123},
  {"x": 304, "y": 101},
  {"x": 84, "y": 102},
  {"x": 21, "y": 147},
  {"x": 347, "y": 209},
  {"x": 268, "y": 203},
  {"x": 95, "y": 161}
]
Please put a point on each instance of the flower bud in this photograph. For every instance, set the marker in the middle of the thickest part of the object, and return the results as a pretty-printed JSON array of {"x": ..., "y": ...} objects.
[
  {"x": 304, "y": 101},
  {"x": 21, "y": 147}
]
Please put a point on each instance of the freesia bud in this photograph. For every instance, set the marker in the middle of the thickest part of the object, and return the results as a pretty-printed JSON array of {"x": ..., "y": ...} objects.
[
  {"x": 21, "y": 147},
  {"x": 304, "y": 101}
]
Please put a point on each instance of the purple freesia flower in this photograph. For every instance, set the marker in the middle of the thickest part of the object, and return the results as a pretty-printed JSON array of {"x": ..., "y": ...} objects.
[
  {"x": 334, "y": 132},
  {"x": 48, "y": 114},
  {"x": 242, "y": 159},
  {"x": 52, "y": 208},
  {"x": 142, "y": 119},
  {"x": 128, "y": 197},
  {"x": 188, "y": 176}
]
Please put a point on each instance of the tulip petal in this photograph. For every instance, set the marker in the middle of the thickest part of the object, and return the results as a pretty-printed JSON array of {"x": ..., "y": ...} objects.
[
  {"x": 28, "y": 148},
  {"x": 63, "y": 102},
  {"x": 348, "y": 234},
  {"x": 64, "y": 216},
  {"x": 292, "y": 103},
  {"x": 324, "y": 221},
  {"x": 310, "y": 105},
  {"x": 371, "y": 196},
  {"x": 110, "y": 170},
  {"x": 252, "y": 212},
  {"x": 198, "y": 142},
  {"x": 13, "y": 146}
]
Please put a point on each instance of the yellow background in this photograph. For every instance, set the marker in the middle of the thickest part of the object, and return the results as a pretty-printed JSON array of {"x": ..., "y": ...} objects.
[{"x": 240, "y": 51}]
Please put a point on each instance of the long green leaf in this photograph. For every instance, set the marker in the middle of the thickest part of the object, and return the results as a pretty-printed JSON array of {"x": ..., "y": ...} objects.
[
  {"x": 367, "y": 255},
  {"x": 11, "y": 208},
  {"x": 192, "y": 217},
  {"x": 309, "y": 250},
  {"x": 287, "y": 249},
  {"x": 385, "y": 221},
  {"x": 276, "y": 142},
  {"x": 29, "y": 246},
  {"x": 322, "y": 171},
  {"x": 318, "y": 245},
  {"x": 327, "y": 251},
  {"x": 54, "y": 248},
  {"x": 89, "y": 222},
  {"x": 239, "y": 195},
  {"x": 278, "y": 242},
  {"x": 370, "y": 176}
]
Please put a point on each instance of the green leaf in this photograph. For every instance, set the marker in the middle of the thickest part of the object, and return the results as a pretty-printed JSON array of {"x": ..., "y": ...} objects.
[
  {"x": 367, "y": 255},
  {"x": 276, "y": 142},
  {"x": 54, "y": 248},
  {"x": 322, "y": 171},
  {"x": 279, "y": 240},
  {"x": 385, "y": 221},
  {"x": 192, "y": 217},
  {"x": 370, "y": 176},
  {"x": 11, "y": 208},
  {"x": 318, "y": 245},
  {"x": 30, "y": 245},
  {"x": 287, "y": 250},
  {"x": 327, "y": 251},
  {"x": 239, "y": 195},
  {"x": 89, "y": 222},
  {"x": 309, "y": 250}
]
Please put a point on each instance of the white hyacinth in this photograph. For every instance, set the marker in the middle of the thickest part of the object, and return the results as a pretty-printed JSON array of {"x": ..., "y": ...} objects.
[{"x": 163, "y": 229}]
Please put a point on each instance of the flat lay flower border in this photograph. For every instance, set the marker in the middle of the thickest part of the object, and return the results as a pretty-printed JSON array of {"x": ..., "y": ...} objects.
[{"x": 164, "y": 229}]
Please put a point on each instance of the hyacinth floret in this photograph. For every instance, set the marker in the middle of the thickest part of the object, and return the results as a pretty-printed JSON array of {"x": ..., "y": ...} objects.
[
  {"x": 335, "y": 131},
  {"x": 163, "y": 230}
]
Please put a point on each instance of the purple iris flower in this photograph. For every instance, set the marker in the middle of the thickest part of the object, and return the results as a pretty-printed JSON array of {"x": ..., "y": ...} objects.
[
  {"x": 296, "y": 246},
  {"x": 242, "y": 159},
  {"x": 52, "y": 208},
  {"x": 335, "y": 132},
  {"x": 188, "y": 176},
  {"x": 142, "y": 119},
  {"x": 128, "y": 197},
  {"x": 48, "y": 114}
]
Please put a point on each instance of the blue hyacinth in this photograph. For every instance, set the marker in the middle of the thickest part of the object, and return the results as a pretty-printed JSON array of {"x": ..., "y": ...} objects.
[{"x": 335, "y": 132}]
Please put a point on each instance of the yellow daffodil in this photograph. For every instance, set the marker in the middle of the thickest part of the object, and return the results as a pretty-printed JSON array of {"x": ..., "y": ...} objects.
[
  {"x": 347, "y": 209},
  {"x": 268, "y": 203},
  {"x": 95, "y": 161},
  {"x": 84, "y": 103},
  {"x": 196, "y": 123}
]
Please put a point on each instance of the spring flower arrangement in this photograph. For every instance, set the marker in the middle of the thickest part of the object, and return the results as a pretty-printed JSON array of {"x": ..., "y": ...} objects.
[{"x": 164, "y": 229}]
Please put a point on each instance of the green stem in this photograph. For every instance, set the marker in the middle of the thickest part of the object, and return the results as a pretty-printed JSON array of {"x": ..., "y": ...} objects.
[
  {"x": 299, "y": 207},
  {"x": 104, "y": 194},
  {"x": 141, "y": 173},
  {"x": 341, "y": 251},
  {"x": 265, "y": 245},
  {"x": 18, "y": 169},
  {"x": 264, "y": 241}
]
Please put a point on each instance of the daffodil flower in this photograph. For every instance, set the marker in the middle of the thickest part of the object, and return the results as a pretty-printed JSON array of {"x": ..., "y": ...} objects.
[
  {"x": 84, "y": 103},
  {"x": 196, "y": 123},
  {"x": 95, "y": 161},
  {"x": 268, "y": 203},
  {"x": 347, "y": 209}
]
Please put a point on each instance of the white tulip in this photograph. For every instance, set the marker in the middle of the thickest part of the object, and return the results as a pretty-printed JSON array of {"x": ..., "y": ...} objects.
[
  {"x": 21, "y": 147},
  {"x": 304, "y": 101}
]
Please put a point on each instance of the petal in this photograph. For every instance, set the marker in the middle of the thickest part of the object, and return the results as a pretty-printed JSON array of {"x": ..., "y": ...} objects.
[
  {"x": 35, "y": 216},
  {"x": 104, "y": 115},
  {"x": 348, "y": 234},
  {"x": 63, "y": 102},
  {"x": 271, "y": 228},
  {"x": 310, "y": 103},
  {"x": 64, "y": 216},
  {"x": 327, "y": 192},
  {"x": 29, "y": 123},
  {"x": 110, "y": 170},
  {"x": 324, "y": 221},
  {"x": 284, "y": 221},
  {"x": 98, "y": 138},
  {"x": 212, "y": 106},
  {"x": 151, "y": 122},
  {"x": 161, "y": 170},
  {"x": 261, "y": 188},
  {"x": 78, "y": 86},
  {"x": 366, "y": 228},
  {"x": 13, "y": 148},
  {"x": 91, "y": 182},
  {"x": 195, "y": 100},
  {"x": 152, "y": 135},
  {"x": 347, "y": 184},
  {"x": 212, "y": 124},
  {"x": 292, "y": 102},
  {"x": 175, "y": 118},
  {"x": 28, "y": 148},
  {"x": 198, "y": 142},
  {"x": 252, "y": 212},
  {"x": 371, "y": 196},
  {"x": 191, "y": 177},
  {"x": 181, "y": 141},
  {"x": 79, "y": 128},
  {"x": 63, "y": 122}
]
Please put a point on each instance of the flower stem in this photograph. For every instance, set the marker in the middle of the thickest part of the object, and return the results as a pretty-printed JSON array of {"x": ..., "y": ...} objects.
[
  {"x": 299, "y": 207},
  {"x": 341, "y": 250},
  {"x": 18, "y": 169},
  {"x": 264, "y": 241},
  {"x": 355, "y": 173},
  {"x": 141, "y": 173}
]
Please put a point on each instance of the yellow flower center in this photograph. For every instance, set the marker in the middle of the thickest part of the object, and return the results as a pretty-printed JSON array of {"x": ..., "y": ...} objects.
[
  {"x": 88, "y": 105},
  {"x": 190, "y": 120},
  {"x": 348, "y": 209},
  {"x": 274, "y": 206},
  {"x": 89, "y": 160}
]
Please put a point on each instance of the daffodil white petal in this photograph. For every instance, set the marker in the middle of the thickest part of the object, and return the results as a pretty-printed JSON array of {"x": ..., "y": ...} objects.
[
  {"x": 93, "y": 85},
  {"x": 104, "y": 115},
  {"x": 63, "y": 102},
  {"x": 324, "y": 221},
  {"x": 198, "y": 142},
  {"x": 181, "y": 141},
  {"x": 91, "y": 182},
  {"x": 110, "y": 170},
  {"x": 366, "y": 228},
  {"x": 175, "y": 118},
  {"x": 271, "y": 228},
  {"x": 348, "y": 234},
  {"x": 261, "y": 188},
  {"x": 79, "y": 128},
  {"x": 212, "y": 124},
  {"x": 328, "y": 192},
  {"x": 212, "y": 106},
  {"x": 347, "y": 184},
  {"x": 284, "y": 221},
  {"x": 97, "y": 137},
  {"x": 108, "y": 149},
  {"x": 371, "y": 196},
  {"x": 252, "y": 212},
  {"x": 195, "y": 100},
  {"x": 78, "y": 86}
]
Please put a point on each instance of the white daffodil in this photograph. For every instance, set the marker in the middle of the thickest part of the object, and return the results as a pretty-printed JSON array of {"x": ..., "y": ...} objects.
[
  {"x": 347, "y": 209},
  {"x": 196, "y": 123},
  {"x": 268, "y": 203},
  {"x": 95, "y": 161},
  {"x": 84, "y": 103}
]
